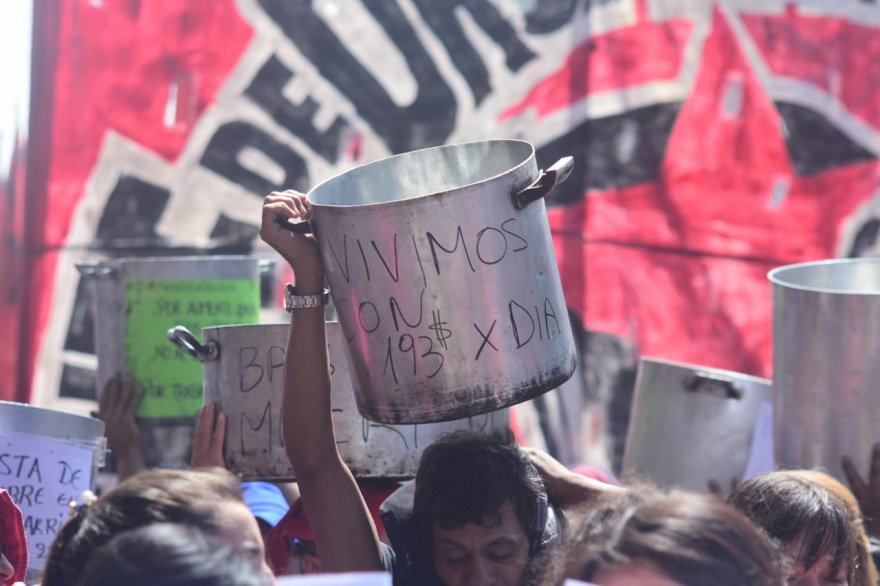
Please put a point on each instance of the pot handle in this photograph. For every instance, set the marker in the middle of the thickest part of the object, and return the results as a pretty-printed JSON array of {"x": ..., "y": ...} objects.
[
  {"x": 546, "y": 182},
  {"x": 186, "y": 341},
  {"x": 713, "y": 384},
  {"x": 93, "y": 270},
  {"x": 304, "y": 227},
  {"x": 266, "y": 266}
]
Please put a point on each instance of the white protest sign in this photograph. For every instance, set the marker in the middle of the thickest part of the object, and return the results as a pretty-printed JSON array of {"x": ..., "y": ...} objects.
[
  {"x": 42, "y": 476},
  {"x": 360, "y": 579},
  {"x": 761, "y": 452},
  {"x": 571, "y": 582}
]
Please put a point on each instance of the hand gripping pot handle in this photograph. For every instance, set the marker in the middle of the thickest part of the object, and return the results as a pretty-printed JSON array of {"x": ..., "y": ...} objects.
[
  {"x": 186, "y": 341},
  {"x": 304, "y": 227},
  {"x": 546, "y": 182}
]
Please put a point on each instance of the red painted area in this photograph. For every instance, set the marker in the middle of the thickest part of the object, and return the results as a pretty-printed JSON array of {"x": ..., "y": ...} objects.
[
  {"x": 669, "y": 304},
  {"x": 834, "y": 54},
  {"x": 115, "y": 63},
  {"x": 115, "y": 71},
  {"x": 678, "y": 266},
  {"x": 642, "y": 53}
]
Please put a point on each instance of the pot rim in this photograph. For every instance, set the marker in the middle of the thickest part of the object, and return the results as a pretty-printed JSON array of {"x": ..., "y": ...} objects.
[
  {"x": 777, "y": 276},
  {"x": 259, "y": 326},
  {"x": 703, "y": 368},
  {"x": 84, "y": 425},
  {"x": 384, "y": 160}
]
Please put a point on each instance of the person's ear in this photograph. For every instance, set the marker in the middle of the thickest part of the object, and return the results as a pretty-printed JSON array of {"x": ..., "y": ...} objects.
[{"x": 311, "y": 564}]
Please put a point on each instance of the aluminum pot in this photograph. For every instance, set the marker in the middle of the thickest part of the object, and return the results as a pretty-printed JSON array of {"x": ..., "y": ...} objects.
[
  {"x": 47, "y": 459},
  {"x": 443, "y": 274},
  {"x": 826, "y": 340},
  {"x": 244, "y": 368},
  {"x": 691, "y": 424},
  {"x": 136, "y": 301}
]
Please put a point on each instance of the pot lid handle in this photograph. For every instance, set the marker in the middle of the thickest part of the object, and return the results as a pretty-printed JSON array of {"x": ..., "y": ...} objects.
[
  {"x": 712, "y": 384},
  {"x": 546, "y": 182}
]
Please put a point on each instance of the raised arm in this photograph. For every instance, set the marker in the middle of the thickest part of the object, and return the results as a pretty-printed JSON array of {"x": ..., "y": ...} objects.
[
  {"x": 564, "y": 487},
  {"x": 344, "y": 531},
  {"x": 116, "y": 408}
]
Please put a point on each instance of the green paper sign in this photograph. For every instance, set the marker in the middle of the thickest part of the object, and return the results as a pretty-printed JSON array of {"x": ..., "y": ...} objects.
[{"x": 172, "y": 380}]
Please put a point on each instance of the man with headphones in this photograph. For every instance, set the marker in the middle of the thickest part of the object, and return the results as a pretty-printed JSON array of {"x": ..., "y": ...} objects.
[
  {"x": 476, "y": 512},
  {"x": 478, "y": 509}
]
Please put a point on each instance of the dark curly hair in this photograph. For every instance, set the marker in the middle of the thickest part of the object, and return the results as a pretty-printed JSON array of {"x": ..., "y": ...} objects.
[
  {"x": 189, "y": 497},
  {"x": 466, "y": 477}
]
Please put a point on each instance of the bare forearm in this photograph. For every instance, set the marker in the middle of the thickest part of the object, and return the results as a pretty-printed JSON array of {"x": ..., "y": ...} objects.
[
  {"x": 129, "y": 463},
  {"x": 308, "y": 428},
  {"x": 344, "y": 531},
  {"x": 341, "y": 522}
]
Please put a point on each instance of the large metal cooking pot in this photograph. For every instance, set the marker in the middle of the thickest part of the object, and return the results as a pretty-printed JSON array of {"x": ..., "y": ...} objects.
[
  {"x": 826, "y": 372},
  {"x": 691, "y": 424},
  {"x": 47, "y": 459},
  {"x": 442, "y": 270},
  {"x": 244, "y": 368},
  {"x": 136, "y": 301}
]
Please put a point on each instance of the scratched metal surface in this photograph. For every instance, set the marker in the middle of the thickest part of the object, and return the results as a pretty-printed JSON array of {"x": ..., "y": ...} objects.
[
  {"x": 449, "y": 297},
  {"x": 165, "y": 442},
  {"x": 691, "y": 424},
  {"x": 247, "y": 381},
  {"x": 826, "y": 344},
  {"x": 57, "y": 425}
]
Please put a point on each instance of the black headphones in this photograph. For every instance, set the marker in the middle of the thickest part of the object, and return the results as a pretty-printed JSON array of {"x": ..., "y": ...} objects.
[{"x": 543, "y": 528}]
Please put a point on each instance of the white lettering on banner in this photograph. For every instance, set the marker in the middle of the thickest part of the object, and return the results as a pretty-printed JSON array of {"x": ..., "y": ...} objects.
[
  {"x": 42, "y": 476},
  {"x": 288, "y": 116}
]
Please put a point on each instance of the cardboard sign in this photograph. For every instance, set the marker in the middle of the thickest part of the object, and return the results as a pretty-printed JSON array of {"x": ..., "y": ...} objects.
[
  {"x": 170, "y": 379},
  {"x": 42, "y": 476}
]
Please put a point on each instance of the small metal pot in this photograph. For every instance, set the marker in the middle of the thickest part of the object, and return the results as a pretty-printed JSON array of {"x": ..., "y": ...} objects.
[
  {"x": 691, "y": 424},
  {"x": 444, "y": 277},
  {"x": 166, "y": 440},
  {"x": 243, "y": 371}
]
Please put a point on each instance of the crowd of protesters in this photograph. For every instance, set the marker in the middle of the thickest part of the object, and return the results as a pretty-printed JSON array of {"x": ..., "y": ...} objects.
[{"x": 480, "y": 510}]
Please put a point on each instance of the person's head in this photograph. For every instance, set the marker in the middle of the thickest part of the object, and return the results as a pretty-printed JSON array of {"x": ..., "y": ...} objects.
[
  {"x": 480, "y": 509},
  {"x": 172, "y": 555},
  {"x": 209, "y": 500},
  {"x": 867, "y": 574},
  {"x": 810, "y": 523},
  {"x": 677, "y": 539}
]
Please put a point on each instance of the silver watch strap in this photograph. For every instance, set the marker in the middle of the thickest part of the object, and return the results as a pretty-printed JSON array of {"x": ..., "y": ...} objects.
[{"x": 293, "y": 300}]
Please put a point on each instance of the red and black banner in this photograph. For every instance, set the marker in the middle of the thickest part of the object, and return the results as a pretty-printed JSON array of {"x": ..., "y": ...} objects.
[{"x": 713, "y": 141}]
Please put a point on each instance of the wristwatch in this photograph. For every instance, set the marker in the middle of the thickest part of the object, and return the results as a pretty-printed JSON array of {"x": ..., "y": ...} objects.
[{"x": 293, "y": 300}]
